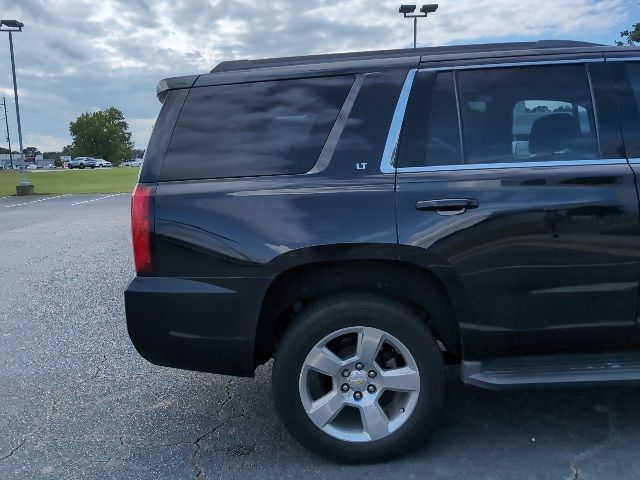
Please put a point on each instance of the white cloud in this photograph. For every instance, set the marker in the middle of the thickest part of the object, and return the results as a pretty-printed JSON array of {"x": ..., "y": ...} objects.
[
  {"x": 45, "y": 143},
  {"x": 141, "y": 129}
]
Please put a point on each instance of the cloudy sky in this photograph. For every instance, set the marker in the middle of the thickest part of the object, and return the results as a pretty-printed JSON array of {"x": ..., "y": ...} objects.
[{"x": 76, "y": 56}]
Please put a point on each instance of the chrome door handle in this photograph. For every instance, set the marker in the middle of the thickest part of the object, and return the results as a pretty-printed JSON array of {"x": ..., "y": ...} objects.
[{"x": 447, "y": 206}]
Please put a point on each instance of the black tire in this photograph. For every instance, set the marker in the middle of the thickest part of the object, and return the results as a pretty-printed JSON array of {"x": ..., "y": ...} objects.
[
  {"x": 92, "y": 167},
  {"x": 81, "y": 166},
  {"x": 329, "y": 315}
]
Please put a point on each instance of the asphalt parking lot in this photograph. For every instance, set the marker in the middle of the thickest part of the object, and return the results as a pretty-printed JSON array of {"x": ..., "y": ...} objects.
[{"x": 76, "y": 400}]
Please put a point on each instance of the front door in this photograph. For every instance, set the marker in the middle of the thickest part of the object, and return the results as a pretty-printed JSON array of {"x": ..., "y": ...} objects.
[
  {"x": 513, "y": 187},
  {"x": 625, "y": 72}
]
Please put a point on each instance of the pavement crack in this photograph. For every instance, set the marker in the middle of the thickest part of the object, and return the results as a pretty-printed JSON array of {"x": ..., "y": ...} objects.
[
  {"x": 15, "y": 449},
  {"x": 227, "y": 389},
  {"x": 99, "y": 369},
  {"x": 20, "y": 445},
  {"x": 194, "y": 457},
  {"x": 198, "y": 447},
  {"x": 55, "y": 407},
  {"x": 610, "y": 441},
  {"x": 196, "y": 443},
  {"x": 101, "y": 461}
]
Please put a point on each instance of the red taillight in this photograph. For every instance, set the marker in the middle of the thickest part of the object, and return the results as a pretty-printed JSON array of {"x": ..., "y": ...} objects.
[{"x": 141, "y": 227}]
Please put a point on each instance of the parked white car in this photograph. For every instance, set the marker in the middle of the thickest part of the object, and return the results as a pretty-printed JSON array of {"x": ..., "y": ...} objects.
[{"x": 101, "y": 163}]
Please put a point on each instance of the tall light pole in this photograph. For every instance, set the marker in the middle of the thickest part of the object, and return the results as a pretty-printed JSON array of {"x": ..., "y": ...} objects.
[
  {"x": 6, "y": 122},
  {"x": 25, "y": 188},
  {"x": 407, "y": 11}
]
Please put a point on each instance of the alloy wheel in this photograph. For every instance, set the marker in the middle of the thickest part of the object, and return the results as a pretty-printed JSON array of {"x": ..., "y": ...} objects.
[{"x": 359, "y": 384}]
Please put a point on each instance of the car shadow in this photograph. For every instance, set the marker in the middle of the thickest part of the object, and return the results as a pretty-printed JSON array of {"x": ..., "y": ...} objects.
[{"x": 541, "y": 433}]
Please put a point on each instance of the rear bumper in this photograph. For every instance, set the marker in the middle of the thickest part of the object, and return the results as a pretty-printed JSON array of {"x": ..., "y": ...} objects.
[{"x": 194, "y": 324}]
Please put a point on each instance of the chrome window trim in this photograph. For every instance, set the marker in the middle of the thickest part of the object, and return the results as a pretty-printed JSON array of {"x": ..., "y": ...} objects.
[
  {"x": 387, "y": 164},
  {"x": 329, "y": 147},
  {"x": 594, "y": 107},
  {"x": 634, "y": 161},
  {"x": 502, "y": 166},
  {"x": 463, "y": 147},
  {"x": 623, "y": 59},
  {"x": 479, "y": 66},
  {"x": 393, "y": 137}
]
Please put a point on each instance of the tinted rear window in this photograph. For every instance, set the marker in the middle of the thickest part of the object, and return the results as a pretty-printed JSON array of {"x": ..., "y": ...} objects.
[{"x": 263, "y": 128}]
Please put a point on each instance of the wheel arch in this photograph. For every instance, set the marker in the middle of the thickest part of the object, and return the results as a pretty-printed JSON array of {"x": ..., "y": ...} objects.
[{"x": 418, "y": 287}]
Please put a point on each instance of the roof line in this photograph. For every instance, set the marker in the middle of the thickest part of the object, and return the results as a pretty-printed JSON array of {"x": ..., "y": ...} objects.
[{"x": 245, "y": 64}]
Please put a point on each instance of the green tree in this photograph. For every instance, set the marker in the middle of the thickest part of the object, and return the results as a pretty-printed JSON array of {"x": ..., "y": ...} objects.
[
  {"x": 51, "y": 155},
  {"x": 630, "y": 37},
  {"x": 68, "y": 151},
  {"x": 102, "y": 134},
  {"x": 31, "y": 151}
]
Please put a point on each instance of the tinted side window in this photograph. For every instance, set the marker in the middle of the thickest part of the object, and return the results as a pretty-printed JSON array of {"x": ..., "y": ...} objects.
[
  {"x": 626, "y": 77},
  {"x": 526, "y": 114},
  {"x": 633, "y": 71},
  {"x": 262, "y": 128},
  {"x": 539, "y": 113},
  {"x": 430, "y": 134}
]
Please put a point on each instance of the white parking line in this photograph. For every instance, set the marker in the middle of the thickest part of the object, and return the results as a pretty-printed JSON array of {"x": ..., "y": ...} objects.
[
  {"x": 5, "y": 197},
  {"x": 36, "y": 201},
  {"x": 95, "y": 199}
]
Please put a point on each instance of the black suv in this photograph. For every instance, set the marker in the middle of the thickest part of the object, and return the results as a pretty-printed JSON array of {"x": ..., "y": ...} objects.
[{"x": 367, "y": 218}]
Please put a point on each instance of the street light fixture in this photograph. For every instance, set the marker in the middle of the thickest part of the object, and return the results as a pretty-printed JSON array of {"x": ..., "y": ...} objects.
[
  {"x": 14, "y": 24},
  {"x": 25, "y": 188},
  {"x": 430, "y": 8},
  {"x": 407, "y": 9},
  {"x": 407, "y": 12}
]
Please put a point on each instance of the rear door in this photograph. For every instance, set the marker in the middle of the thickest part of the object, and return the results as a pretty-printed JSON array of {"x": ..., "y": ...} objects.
[{"x": 513, "y": 186}]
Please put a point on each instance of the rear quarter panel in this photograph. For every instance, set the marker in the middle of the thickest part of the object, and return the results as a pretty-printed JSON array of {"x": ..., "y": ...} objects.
[{"x": 249, "y": 226}]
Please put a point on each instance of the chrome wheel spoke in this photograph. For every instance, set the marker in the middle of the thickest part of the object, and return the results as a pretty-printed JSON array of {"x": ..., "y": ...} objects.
[
  {"x": 324, "y": 361},
  {"x": 326, "y": 408},
  {"x": 374, "y": 421},
  {"x": 369, "y": 343},
  {"x": 400, "y": 379}
]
